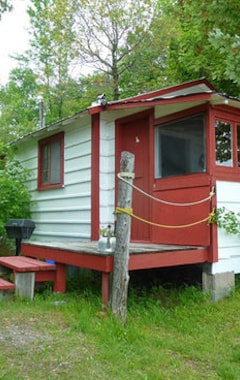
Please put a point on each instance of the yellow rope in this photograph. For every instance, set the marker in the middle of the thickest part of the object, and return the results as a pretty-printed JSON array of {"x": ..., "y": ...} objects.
[{"x": 129, "y": 212}]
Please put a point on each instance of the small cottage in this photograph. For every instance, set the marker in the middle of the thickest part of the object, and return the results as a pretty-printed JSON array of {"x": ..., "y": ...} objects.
[{"x": 186, "y": 142}]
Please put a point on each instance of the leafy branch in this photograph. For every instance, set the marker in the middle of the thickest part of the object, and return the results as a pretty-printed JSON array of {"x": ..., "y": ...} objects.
[{"x": 228, "y": 220}]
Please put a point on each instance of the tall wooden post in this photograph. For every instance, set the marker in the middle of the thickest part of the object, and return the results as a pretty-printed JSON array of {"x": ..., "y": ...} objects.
[{"x": 118, "y": 302}]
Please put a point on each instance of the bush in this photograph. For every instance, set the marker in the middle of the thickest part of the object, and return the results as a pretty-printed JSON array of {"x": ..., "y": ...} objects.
[{"x": 15, "y": 198}]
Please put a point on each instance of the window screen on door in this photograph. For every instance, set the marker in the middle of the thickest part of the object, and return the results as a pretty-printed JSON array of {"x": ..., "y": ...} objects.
[{"x": 180, "y": 147}]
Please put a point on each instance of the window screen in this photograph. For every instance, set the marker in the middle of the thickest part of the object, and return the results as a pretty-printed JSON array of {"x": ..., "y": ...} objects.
[{"x": 180, "y": 147}]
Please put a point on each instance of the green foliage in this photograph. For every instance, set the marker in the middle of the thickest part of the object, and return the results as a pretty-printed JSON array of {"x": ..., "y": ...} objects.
[
  {"x": 14, "y": 197},
  {"x": 204, "y": 45},
  {"x": 228, "y": 220},
  {"x": 51, "y": 54},
  {"x": 19, "y": 104},
  {"x": 108, "y": 33},
  {"x": 132, "y": 47}
]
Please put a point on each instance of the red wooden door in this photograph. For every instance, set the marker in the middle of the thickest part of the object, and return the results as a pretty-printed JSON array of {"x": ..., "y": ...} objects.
[{"x": 133, "y": 136}]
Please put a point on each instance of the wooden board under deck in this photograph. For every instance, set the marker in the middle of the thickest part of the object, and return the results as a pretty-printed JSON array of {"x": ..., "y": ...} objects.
[{"x": 142, "y": 256}]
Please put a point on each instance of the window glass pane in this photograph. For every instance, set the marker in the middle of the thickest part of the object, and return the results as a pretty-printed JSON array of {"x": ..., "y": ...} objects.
[
  {"x": 180, "y": 147},
  {"x": 45, "y": 165},
  {"x": 55, "y": 162},
  {"x": 223, "y": 135},
  {"x": 51, "y": 161},
  {"x": 238, "y": 144}
]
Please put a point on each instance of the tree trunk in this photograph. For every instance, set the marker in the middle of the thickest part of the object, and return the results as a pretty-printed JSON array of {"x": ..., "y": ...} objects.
[{"x": 123, "y": 227}]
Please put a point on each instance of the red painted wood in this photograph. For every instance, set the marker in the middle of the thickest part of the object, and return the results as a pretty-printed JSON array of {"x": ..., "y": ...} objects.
[
  {"x": 60, "y": 279},
  {"x": 191, "y": 181},
  {"x": 139, "y": 99},
  {"x": 102, "y": 263},
  {"x": 171, "y": 89},
  {"x": 190, "y": 98},
  {"x": 170, "y": 216},
  {"x": 95, "y": 177},
  {"x": 105, "y": 289},
  {"x": 41, "y": 276},
  {"x": 213, "y": 248},
  {"x": 25, "y": 264},
  {"x": 133, "y": 136},
  {"x": 166, "y": 259},
  {"x": 6, "y": 285}
]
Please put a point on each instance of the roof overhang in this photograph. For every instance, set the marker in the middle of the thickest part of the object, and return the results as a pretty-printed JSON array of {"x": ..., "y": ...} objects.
[
  {"x": 165, "y": 102},
  {"x": 54, "y": 127}
]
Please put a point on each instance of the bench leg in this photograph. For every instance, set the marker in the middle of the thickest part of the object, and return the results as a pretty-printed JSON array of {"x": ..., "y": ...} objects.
[{"x": 24, "y": 284}]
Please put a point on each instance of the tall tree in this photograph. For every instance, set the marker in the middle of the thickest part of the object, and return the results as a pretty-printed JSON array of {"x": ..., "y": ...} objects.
[
  {"x": 18, "y": 104},
  {"x": 206, "y": 42},
  {"x": 150, "y": 68},
  {"x": 108, "y": 32},
  {"x": 51, "y": 50}
]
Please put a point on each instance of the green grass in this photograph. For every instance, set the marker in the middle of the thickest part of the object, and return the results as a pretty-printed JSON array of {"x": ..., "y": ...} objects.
[{"x": 171, "y": 334}]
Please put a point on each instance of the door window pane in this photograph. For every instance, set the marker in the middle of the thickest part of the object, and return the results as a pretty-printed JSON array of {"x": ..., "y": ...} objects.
[{"x": 180, "y": 147}]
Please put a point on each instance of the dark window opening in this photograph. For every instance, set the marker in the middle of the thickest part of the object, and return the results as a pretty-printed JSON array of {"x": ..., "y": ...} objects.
[{"x": 180, "y": 147}]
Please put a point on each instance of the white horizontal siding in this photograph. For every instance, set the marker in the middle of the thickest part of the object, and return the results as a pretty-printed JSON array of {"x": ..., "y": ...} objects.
[
  {"x": 107, "y": 169},
  {"x": 65, "y": 213},
  {"x": 228, "y": 196}
]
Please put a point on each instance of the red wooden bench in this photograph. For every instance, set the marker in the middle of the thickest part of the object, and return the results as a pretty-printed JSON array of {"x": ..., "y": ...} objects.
[{"x": 26, "y": 272}]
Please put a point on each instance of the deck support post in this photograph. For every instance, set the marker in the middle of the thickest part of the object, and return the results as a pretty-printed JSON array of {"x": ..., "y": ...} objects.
[
  {"x": 105, "y": 289},
  {"x": 219, "y": 285},
  {"x": 24, "y": 284},
  {"x": 60, "y": 279}
]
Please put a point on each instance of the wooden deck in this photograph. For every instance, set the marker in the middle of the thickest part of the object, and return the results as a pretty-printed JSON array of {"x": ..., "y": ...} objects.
[{"x": 86, "y": 255}]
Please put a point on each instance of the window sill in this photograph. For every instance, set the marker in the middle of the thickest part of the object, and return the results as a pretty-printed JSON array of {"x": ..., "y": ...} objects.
[{"x": 50, "y": 187}]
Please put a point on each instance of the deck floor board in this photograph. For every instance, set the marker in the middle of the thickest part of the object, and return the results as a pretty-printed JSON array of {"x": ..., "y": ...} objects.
[{"x": 92, "y": 247}]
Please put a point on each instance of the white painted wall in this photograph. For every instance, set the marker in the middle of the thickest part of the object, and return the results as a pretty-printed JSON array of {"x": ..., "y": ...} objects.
[
  {"x": 228, "y": 196},
  {"x": 107, "y": 170},
  {"x": 65, "y": 213}
]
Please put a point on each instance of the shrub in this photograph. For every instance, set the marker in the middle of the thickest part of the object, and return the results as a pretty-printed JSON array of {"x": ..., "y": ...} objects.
[{"x": 15, "y": 198}]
